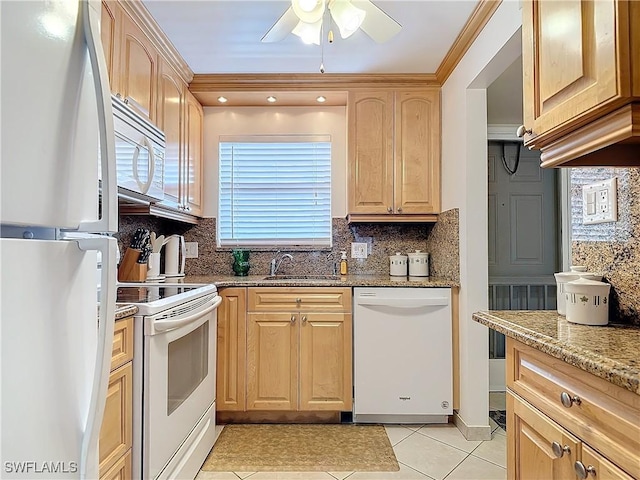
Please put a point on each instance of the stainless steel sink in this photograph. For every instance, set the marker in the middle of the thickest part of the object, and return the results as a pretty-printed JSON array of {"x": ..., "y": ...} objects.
[{"x": 301, "y": 278}]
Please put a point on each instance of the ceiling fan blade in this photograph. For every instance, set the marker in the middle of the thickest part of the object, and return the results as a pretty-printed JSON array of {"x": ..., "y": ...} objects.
[
  {"x": 377, "y": 24},
  {"x": 283, "y": 27}
]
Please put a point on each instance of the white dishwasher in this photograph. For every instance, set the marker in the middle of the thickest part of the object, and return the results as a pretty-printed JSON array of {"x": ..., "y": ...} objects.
[{"x": 402, "y": 355}]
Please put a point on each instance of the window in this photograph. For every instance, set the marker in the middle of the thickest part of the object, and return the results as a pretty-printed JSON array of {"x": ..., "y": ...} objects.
[{"x": 275, "y": 191}]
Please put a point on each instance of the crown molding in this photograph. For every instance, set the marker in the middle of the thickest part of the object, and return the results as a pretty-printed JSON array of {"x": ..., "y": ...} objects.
[
  {"x": 139, "y": 13},
  {"x": 477, "y": 21}
]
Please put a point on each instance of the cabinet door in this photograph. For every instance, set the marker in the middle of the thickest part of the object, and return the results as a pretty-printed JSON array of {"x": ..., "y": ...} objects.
[
  {"x": 571, "y": 60},
  {"x": 138, "y": 69},
  {"x": 530, "y": 439},
  {"x": 194, "y": 119},
  {"x": 231, "y": 350},
  {"x": 272, "y": 361},
  {"x": 116, "y": 431},
  {"x": 370, "y": 160},
  {"x": 109, "y": 33},
  {"x": 417, "y": 152},
  {"x": 170, "y": 105},
  {"x": 325, "y": 361},
  {"x": 599, "y": 467},
  {"x": 121, "y": 470}
]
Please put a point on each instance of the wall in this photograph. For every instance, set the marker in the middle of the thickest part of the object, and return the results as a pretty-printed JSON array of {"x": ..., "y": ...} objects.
[
  {"x": 611, "y": 248},
  {"x": 464, "y": 186}
]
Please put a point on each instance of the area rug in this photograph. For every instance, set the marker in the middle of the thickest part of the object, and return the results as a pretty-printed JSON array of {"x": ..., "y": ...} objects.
[
  {"x": 500, "y": 417},
  {"x": 302, "y": 448}
]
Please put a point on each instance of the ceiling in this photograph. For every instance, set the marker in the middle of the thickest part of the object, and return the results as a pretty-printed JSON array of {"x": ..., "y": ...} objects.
[{"x": 223, "y": 37}]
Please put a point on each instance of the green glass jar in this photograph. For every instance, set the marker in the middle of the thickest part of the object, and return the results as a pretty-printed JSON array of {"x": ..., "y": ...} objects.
[{"x": 240, "y": 261}]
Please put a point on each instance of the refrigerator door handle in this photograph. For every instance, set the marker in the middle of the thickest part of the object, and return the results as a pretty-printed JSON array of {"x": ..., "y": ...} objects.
[
  {"x": 108, "y": 221},
  {"x": 106, "y": 319}
]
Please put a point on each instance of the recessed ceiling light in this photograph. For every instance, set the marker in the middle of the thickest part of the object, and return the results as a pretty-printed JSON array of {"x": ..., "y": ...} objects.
[
  {"x": 222, "y": 99},
  {"x": 321, "y": 99},
  {"x": 271, "y": 99}
]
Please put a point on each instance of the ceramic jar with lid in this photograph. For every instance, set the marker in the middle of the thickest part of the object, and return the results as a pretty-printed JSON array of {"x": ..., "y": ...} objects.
[
  {"x": 398, "y": 265},
  {"x": 562, "y": 278},
  {"x": 418, "y": 264},
  {"x": 587, "y": 302}
]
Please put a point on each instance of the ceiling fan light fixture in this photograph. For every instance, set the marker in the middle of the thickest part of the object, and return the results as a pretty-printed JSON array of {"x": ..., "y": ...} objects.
[
  {"x": 347, "y": 17},
  {"x": 308, "y": 32},
  {"x": 309, "y": 11}
]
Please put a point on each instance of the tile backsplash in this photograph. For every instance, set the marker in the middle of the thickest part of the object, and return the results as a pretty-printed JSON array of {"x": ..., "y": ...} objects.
[
  {"x": 440, "y": 239},
  {"x": 611, "y": 248}
]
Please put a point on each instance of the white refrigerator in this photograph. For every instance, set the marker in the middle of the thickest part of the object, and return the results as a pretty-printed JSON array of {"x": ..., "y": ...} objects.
[{"x": 56, "y": 328}]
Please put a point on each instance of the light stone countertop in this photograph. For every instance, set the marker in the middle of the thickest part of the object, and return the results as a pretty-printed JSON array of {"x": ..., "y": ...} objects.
[
  {"x": 125, "y": 310},
  {"x": 611, "y": 352},
  {"x": 343, "y": 281}
]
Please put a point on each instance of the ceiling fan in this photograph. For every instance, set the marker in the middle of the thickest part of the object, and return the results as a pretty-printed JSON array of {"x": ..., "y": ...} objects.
[{"x": 304, "y": 18}]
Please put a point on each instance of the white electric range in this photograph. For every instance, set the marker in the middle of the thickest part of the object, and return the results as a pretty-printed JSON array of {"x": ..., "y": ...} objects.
[{"x": 174, "y": 377}]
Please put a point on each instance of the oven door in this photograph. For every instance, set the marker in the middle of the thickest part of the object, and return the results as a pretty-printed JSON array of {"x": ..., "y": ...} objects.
[{"x": 179, "y": 377}]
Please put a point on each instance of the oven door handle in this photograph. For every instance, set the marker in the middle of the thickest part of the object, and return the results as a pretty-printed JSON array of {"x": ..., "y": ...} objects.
[{"x": 171, "y": 324}]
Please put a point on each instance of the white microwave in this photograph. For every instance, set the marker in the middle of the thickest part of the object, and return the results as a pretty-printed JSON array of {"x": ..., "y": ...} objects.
[{"x": 140, "y": 150}]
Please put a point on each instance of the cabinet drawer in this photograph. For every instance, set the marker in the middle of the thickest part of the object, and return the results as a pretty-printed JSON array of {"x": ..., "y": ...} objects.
[
  {"x": 303, "y": 299},
  {"x": 605, "y": 416},
  {"x": 122, "y": 343},
  {"x": 115, "y": 434}
]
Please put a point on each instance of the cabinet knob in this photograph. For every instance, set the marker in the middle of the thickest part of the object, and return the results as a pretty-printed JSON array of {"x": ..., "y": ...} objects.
[
  {"x": 293, "y": 319},
  {"x": 568, "y": 401},
  {"x": 389, "y": 209},
  {"x": 559, "y": 450},
  {"x": 399, "y": 209},
  {"x": 304, "y": 318},
  {"x": 298, "y": 300},
  {"x": 583, "y": 472},
  {"x": 522, "y": 130}
]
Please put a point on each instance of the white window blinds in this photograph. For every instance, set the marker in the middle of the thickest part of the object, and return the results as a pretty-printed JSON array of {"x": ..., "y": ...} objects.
[{"x": 275, "y": 191}]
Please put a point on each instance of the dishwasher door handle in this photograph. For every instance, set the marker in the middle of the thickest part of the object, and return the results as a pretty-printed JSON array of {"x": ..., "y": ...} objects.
[{"x": 403, "y": 302}]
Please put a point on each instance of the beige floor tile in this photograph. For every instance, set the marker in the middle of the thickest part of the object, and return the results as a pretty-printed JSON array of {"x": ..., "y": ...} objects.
[
  {"x": 473, "y": 468},
  {"x": 291, "y": 476},
  {"x": 497, "y": 401},
  {"x": 405, "y": 473},
  {"x": 428, "y": 456},
  {"x": 493, "y": 424},
  {"x": 340, "y": 475},
  {"x": 450, "y": 435},
  {"x": 415, "y": 428},
  {"x": 216, "y": 476},
  {"x": 397, "y": 433},
  {"x": 499, "y": 431},
  {"x": 494, "y": 450}
]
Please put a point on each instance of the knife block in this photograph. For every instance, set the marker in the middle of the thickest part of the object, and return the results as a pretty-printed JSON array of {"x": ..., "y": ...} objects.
[{"x": 130, "y": 270}]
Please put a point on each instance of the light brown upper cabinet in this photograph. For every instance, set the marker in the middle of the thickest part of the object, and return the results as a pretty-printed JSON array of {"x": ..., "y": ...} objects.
[
  {"x": 110, "y": 22},
  {"x": 394, "y": 156},
  {"x": 581, "y": 86},
  {"x": 193, "y": 144},
  {"x": 138, "y": 69}
]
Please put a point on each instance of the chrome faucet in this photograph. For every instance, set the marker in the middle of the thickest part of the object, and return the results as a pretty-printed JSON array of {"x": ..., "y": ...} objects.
[{"x": 275, "y": 264}]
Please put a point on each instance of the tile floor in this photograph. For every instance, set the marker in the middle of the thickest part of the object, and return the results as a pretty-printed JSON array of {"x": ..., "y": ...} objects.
[{"x": 423, "y": 452}]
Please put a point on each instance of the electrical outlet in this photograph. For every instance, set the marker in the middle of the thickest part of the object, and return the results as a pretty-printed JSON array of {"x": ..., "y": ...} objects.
[
  {"x": 191, "y": 249},
  {"x": 358, "y": 250},
  {"x": 600, "y": 202}
]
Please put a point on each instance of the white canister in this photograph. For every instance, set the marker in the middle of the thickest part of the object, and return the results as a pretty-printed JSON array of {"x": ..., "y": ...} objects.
[
  {"x": 562, "y": 278},
  {"x": 587, "y": 302},
  {"x": 418, "y": 264},
  {"x": 398, "y": 265}
]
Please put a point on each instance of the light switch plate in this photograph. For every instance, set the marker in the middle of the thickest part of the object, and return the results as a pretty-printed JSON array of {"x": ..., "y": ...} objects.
[
  {"x": 358, "y": 250},
  {"x": 191, "y": 249},
  {"x": 600, "y": 202}
]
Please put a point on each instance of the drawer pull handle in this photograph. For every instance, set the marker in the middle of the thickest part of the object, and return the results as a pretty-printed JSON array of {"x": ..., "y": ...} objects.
[
  {"x": 583, "y": 472},
  {"x": 293, "y": 319},
  {"x": 559, "y": 450},
  {"x": 568, "y": 401}
]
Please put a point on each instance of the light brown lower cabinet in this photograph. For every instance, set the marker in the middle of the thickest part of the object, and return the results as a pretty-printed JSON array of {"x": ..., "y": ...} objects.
[
  {"x": 289, "y": 350},
  {"x": 117, "y": 427},
  {"x": 564, "y": 423}
]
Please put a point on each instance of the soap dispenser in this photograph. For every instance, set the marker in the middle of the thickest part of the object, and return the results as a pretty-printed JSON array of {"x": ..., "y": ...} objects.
[{"x": 343, "y": 263}]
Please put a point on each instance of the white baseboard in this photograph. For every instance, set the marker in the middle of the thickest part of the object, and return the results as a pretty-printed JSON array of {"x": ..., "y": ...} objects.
[{"x": 472, "y": 432}]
